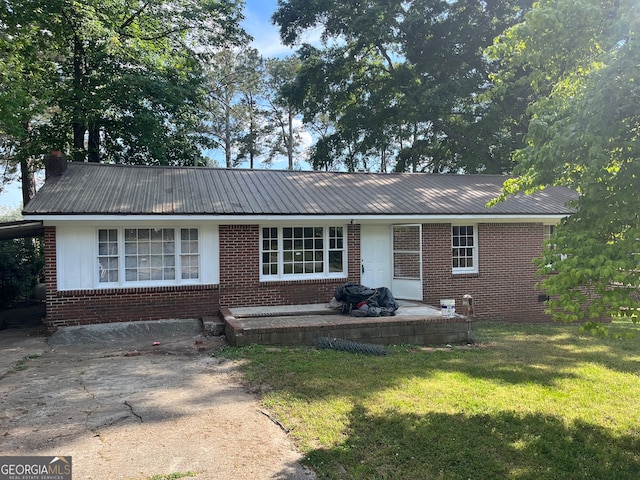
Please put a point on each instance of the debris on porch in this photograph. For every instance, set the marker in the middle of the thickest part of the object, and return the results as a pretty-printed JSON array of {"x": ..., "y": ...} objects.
[{"x": 414, "y": 323}]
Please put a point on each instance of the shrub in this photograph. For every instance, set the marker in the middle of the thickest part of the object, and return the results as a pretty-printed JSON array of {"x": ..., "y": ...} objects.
[{"x": 21, "y": 266}]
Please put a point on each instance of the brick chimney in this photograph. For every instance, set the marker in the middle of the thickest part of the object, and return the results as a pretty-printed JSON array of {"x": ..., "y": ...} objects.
[{"x": 55, "y": 164}]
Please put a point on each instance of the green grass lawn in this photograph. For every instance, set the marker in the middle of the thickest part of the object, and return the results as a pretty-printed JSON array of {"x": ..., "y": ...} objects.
[{"x": 526, "y": 402}]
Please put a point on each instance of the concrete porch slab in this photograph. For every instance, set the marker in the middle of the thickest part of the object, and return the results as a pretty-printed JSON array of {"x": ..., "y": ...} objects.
[
  {"x": 407, "y": 308},
  {"x": 414, "y": 323}
]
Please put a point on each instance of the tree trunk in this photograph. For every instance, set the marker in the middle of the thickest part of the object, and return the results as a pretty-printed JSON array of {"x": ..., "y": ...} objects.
[
  {"x": 78, "y": 116},
  {"x": 28, "y": 180},
  {"x": 227, "y": 130},
  {"x": 252, "y": 136},
  {"x": 290, "y": 139},
  {"x": 94, "y": 142}
]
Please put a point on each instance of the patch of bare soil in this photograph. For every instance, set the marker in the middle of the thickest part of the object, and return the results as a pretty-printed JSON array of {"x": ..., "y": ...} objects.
[{"x": 133, "y": 409}]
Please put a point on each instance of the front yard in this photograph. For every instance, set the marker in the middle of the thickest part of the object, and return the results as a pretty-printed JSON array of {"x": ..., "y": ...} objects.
[{"x": 526, "y": 402}]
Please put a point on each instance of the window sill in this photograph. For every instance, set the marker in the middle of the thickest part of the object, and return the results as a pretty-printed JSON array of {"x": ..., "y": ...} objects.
[
  {"x": 138, "y": 289},
  {"x": 306, "y": 281}
]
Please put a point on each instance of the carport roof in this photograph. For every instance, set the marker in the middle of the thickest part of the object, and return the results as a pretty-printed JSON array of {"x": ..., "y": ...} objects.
[
  {"x": 99, "y": 189},
  {"x": 20, "y": 229}
]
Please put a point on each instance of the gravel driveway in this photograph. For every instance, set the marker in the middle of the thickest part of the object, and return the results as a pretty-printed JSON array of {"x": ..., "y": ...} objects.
[{"x": 125, "y": 408}]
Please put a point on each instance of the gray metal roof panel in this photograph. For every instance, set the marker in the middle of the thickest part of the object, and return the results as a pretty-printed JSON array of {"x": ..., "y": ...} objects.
[{"x": 96, "y": 189}]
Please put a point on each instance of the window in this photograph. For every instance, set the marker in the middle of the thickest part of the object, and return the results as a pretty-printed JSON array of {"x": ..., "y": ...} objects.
[
  {"x": 464, "y": 251},
  {"x": 108, "y": 255},
  {"x": 302, "y": 252},
  {"x": 147, "y": 255},
  {"x": 189, "y": 258},
  {"x": 406, "y": 251},
  {"x": 548, "y": 231}
]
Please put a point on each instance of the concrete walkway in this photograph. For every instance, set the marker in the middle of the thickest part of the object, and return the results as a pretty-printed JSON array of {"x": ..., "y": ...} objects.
[{"x": 130, "y": 401}]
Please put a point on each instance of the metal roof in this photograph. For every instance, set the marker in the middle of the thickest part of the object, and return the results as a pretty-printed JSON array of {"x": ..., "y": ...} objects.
[{"x": 99, "y": 189}]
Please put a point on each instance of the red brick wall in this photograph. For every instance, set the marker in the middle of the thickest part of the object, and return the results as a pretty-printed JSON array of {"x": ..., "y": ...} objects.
[
  {"x": 82, "y": 307},
  {"x": 503, "y": 289},
  {"x": 240, "y": 283},
  {"x": 50, "y": 262}
]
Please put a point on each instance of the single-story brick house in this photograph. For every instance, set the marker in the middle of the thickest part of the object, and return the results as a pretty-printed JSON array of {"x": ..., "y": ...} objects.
[{"x": 125, "y": 243}]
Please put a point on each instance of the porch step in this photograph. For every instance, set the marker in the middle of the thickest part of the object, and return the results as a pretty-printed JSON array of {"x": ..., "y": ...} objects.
[
  {"x": 302, "y": 324},
  {"x": 282, "y": 311}
]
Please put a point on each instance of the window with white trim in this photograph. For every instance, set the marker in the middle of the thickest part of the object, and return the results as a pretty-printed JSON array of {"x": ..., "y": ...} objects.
[
  {"x": 302, "y": 252},
  {"x": 138, "y": 255},
  {"x": 464, "y": 249},
  {"x": 108, "y": 255},
  {"x": 149, "y": 254},
  {"x": 548, "y": 231},
  {"x": 548, "y": 234},
  {"x": 189, "y": 253}
]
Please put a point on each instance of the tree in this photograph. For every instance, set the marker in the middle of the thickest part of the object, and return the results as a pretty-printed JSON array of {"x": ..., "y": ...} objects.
[
  {"x": 27, "y": 78},
  {"x": 581, "y": 58},
  {"x": 21, "y": 264},
  {"x": 403, "y": 81},
  {"x": 111, "y": 80},
  {"x": 281, "y": 75},
  {"x": 251, "y": 106},
  {"x": 224, "y": 80}
]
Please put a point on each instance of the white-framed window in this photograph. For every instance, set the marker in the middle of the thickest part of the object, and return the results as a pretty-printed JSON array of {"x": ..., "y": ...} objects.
[
  {"x": 548, "y": 231},
  {"x": 130, "y": 256},
  {"x": 189, "y": 253},
  {"x": 302, "y": 252},
  {"x": 464, "y": 248},
  {"x": 108, "y": 259}
]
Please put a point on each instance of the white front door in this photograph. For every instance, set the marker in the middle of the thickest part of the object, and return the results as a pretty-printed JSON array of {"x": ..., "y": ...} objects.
[
  {"x": 375, "y": 252},
  {"x": 391, "y": 257}
]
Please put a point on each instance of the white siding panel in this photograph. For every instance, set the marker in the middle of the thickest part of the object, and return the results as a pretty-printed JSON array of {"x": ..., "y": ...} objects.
[
  {"x": 210, "y": 254},
  {"x": 77, "y": 253},
  {"x": 76, "y": 248}
]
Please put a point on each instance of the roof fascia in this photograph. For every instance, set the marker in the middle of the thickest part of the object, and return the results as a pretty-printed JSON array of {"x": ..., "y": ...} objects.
[{"x": 244, "y": 219}]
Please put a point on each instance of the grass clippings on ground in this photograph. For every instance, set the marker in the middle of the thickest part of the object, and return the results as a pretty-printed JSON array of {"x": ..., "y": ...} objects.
[{"x": 527, "y": 402}]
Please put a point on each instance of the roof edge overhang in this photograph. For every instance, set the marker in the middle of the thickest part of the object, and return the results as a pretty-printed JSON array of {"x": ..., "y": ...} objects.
[
  {"x": 240, "y": 219},
  {"x": 21, "y": 229}
]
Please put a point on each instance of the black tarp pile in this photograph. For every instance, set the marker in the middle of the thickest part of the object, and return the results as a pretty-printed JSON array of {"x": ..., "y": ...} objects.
[{"x": 360, "y": 301}]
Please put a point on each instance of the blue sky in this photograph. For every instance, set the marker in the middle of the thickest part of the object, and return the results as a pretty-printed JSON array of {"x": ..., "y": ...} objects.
[
  {"x": 258, "y": 23},
  {"x": 266, "y": 39}
]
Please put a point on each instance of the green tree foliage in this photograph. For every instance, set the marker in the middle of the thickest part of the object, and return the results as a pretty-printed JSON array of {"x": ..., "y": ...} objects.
[
  {"x": 110, "y": 80},
  {"x": 224, "y": 80},
  {"x": 252, "y": 139},
  {"x": 285, "y": 139},
  {"x": 250, "y": 118},
  {"x": 21, "y": 266},
  {"x": 21, "y": 263},
  {"x": 237, "y": 88},
  {"x": 581, "y": 59},
  {"x": 403, "y": 82}
]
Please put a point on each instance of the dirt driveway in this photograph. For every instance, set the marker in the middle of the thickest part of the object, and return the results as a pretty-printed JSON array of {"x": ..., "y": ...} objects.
[{"x": 126, "y": 409}]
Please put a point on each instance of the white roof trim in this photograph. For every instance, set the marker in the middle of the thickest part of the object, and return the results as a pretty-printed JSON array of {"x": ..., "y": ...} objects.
[{"x": 260, "y": 219}]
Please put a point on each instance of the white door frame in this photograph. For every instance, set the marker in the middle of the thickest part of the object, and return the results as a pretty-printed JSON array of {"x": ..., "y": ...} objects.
[
  {"x": 376, "y": 262},
  {"x": 404, "y": 285}
]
